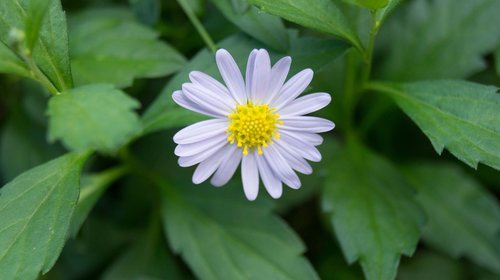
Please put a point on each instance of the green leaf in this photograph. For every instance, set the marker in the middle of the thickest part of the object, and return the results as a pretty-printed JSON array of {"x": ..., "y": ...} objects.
[
  {"x": 23, "y": 144},
  {"x": 440, "y": 39},
  {"x": 306, "y": 52},
  {"x": 372, "y": 209},
  {"x": 370, "y": 4},
  {"x": 110, "y": 46},
  {"x": 92, "y": 187},
  {"x": 459, "y": 115},
  {"x": 431, "y": 266},
  {"x": 223, "y": 236},
  {"x": 497, "y": 61},
  {"x": 35, "y": 210},
  {"x": 264, "y": 27},
  {"x": 463, "y": 218},
  {"x": 50, "y": 51},
  {"x": 321, "y": 15},
  {"x": 10, "y": 63},
  {"x": 97, "y": 117},
  {"x": 147, "y": 258}
]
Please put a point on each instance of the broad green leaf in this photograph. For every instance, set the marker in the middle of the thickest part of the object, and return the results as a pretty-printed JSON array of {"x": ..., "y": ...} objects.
[
  {"x": 459, "y": 115},
  {"x": 98, "y": 117},
  {"x": 110, "y": 46},
  {"x": 372, "y": 209},
  {"x": 463, "y": 218},
  {"x": 223, "y": 236},
  {"x": 264, "y": 27},
  {"x": 321, "y": 15},
  {"x": 381, "y": 14},
  {"x": 92, "y": 187},
  {"x": 306, "y": 52},
  {"x": 147, "y": 258},
  {"x": 23, "y": 145},
  {"x": 370, "y": 4},
  {"x": 240, "y": 6},
  {"x": 10, "y": 63},
  {"x": 50, "y": 51},
  {"x": 36, "y": 12},
  {"x": 440, "y": 39},
  {"x": 431, "y": 266},
  {"x": 35, "y": 212}
]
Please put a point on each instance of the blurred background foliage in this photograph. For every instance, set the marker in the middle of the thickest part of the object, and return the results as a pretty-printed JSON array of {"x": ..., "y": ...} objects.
[{"x": 147, "y": 48}]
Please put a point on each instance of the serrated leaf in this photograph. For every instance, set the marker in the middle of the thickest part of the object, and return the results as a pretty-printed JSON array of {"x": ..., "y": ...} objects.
[
  {"x": 373, "y": 211},
  {"x": 463, "y": 218},
  {"x": 147, "y": 258},
  {"x": 322, "y": 15},
  {"x": 97, "y": 117},
  {"x": 95, "y": 57},
  {"x": 306, "y": 52},
  {"x": 440, "y": 39},
  {"x": 92, "y": 187},
  {"x": 461, "y": 116},
  {"x": 223, "y": 236},
  {"x": 264, "y": 27},
  {"x": 10, "y": 63},
  {"x": 35, "y": 213},
  {"x": 370, "y": 4},
  {"x": 50, "y": 51}
]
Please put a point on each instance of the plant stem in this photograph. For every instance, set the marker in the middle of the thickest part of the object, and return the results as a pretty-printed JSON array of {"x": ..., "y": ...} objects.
[
  {"x": 197, "y": 24},
  {"x": 365, "y": 76}
]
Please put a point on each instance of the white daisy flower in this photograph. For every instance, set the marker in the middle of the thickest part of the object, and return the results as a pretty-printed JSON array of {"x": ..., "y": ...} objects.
[{"x": 259, "y": 123}]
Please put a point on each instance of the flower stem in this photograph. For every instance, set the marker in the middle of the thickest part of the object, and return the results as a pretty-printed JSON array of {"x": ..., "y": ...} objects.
[
  {"x": 197, "y": 24},
  {"x": 365, "y": 76}
]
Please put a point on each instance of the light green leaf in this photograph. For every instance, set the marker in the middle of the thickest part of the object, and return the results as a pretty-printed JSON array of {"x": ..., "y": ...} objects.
[
  {"x": 373, "y": 211},
  {"x": 10, "y": 63},
  {"x": 110, "y": 46},
  {"x": 50, "y": 51},
  {"x": 306, "y": 52},
  {"x": 459, "y": 115},
  {"x": 381, "y": 14},
  {"x": 223, "y": 236},
  {"x": 147, "y": 258},
  {"x": 463, "y": 218},
  {"x": 440, "y": 39},
  {"x": 370, "y": 4},
  {"x": 321, "y": 15},
  {"x": 264, "y": 27},
  {"x": 97, "y": 117},
  {"x": 240, "y": 6},
  {"x": 35, "y": 210},
  {"x": 92, "y": 187}
]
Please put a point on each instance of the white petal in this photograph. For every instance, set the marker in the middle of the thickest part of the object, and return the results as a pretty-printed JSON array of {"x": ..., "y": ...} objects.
[
  {"x": 231, "y": 75},
  {"x": 249, "y": 73},
  {"x": 197, "y": 158},
  {"x": 209, "y": 83},
  {"x": 303, "y": 148},
  {"x": 306, "y": 104},
  {"x": 250, "y": 176},
  {"x": 207, "y": 167},
  {"x": 200, "y": 131},
  {"x": 181, "y": 99},
  {"x": 292, "y": 88},
  {"x": 228, "y": 166},
  {"x": 185, "y": 150},
  {"x": 272, "y": 183},
  {"x": 306, "y": 124},
  {"x": 278, "y": 77},
  {"x": 296, "y": 161},
  {"x": 312, "y": 138},
  {"x": 258, "y": 75},
  {"x": 281, "y": 167},
  {"x": 209, "y": 100}
]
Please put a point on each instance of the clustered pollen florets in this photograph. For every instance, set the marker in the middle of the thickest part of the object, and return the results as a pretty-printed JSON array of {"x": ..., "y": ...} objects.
[{"x": 253, "y": 126}]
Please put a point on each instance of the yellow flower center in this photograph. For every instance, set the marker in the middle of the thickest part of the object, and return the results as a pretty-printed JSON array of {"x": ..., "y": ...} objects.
[{"x": 253, "y": 127}]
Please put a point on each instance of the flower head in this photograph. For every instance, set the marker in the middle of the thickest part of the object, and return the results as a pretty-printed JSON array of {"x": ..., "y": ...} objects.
[{"x": 258, "y": 121}]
